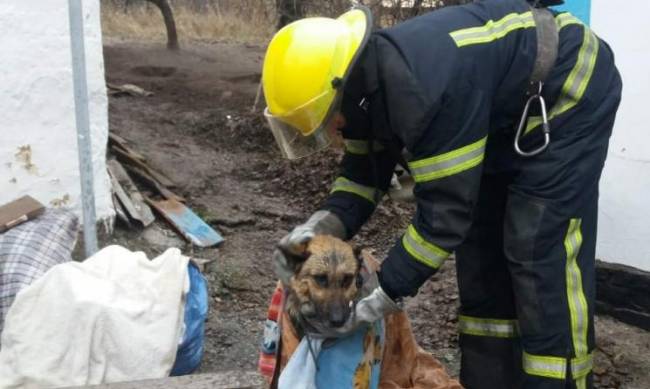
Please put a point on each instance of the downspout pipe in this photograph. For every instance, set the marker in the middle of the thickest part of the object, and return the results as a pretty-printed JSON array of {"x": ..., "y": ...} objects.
[{"x": 84, "y": 147}]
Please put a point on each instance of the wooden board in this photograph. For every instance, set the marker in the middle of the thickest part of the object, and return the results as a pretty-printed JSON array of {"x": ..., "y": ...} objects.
[
  {"x": 222, "y": 380},
  {"x": 19, "y": 211},
  {"x": 121, "y": 143},
  {"x": 622, "y": 292},
  {"x": 187, "y": 223},
  {"x": 128, "y": 194},
  {"x": 126, "y": 158},
  {"x": 153, "y": 184},
  {"x": 120, "y": 212}
]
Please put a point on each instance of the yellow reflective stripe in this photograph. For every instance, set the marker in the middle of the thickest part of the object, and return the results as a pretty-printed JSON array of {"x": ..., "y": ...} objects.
[
  {"x": 492, "y": 30},
  {"x": 582, "y": 366},
  {"x": 577, "y": 302},
  {"x": 578, "y": 308},
  {"x": 423, "y": 251},
  {"x": 566, "y": 19},
  {"x": 555, "y": 367},
  {"x": 361, "y": 147},
  {"x": 575, "y": 85},
  {"x": 478, "y": 326},
  {"x": 449, "y": 163},
  {"x": 544, "y": 366},
  {"x": 343, "y": 184}
]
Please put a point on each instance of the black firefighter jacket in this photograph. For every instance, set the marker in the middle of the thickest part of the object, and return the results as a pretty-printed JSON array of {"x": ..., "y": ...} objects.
[{"x": 434, "y": 88}]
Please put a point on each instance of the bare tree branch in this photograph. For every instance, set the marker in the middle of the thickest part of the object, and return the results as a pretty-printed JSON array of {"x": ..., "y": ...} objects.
[{"x": 170, "y": 24}]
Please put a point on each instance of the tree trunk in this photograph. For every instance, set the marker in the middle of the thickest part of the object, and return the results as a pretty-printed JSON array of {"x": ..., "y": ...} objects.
[
  {"x": 417, "y": 5},
  {"x": 289, "y": 11},
  {"x": 170, "y": 24}
]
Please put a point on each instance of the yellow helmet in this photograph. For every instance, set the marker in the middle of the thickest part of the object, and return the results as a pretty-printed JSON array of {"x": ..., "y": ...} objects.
[{"x": 305, "y": 68}]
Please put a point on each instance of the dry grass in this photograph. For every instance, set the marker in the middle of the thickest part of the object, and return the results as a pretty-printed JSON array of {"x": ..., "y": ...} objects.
[
  {"x": 145, "y": 23},
  {"x": 234, "y": 20}
]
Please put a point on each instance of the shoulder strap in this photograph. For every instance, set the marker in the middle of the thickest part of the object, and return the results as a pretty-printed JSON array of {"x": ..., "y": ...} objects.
[{"x": 547, "y": 47}]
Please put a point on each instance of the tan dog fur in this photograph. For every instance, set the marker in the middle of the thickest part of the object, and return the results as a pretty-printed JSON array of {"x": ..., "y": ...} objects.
[{"x": 325, "y": 283}]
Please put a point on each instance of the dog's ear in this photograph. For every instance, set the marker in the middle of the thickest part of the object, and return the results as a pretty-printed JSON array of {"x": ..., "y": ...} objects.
[
  {"x": 301, "y": 261},
  {"x": 294, "y": 261}
]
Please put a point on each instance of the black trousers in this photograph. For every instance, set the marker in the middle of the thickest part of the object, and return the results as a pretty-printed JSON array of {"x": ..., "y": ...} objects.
[{"x": 526, "y": 272}]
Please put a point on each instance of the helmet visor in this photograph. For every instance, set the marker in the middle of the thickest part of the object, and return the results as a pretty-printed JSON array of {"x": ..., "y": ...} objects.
[{"x": 291, "y": 141}]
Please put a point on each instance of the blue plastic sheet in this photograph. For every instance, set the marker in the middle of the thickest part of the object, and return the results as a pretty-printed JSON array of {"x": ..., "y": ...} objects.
[{"x": 190, "y": 351}]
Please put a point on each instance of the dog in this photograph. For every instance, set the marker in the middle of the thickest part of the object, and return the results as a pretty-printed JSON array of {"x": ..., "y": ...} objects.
[
  {"x": 328, "y": 280},
  {"x": 325, "y": 286}
]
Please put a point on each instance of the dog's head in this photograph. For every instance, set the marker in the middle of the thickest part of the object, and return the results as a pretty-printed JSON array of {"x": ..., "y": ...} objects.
[{"x": 327, "y": 283}]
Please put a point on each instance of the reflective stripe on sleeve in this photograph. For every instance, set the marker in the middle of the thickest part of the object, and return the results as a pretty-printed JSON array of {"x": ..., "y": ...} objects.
[
  {"x": 545, "y": 366},
  {"x": 566, "y": 19},
  {"x": 449, "y": 163},
  {"x": 343, "y": 184},
  {"x": 492, "y": 30},
  {"x": 360, "y": 146},
  {"x": 496, "y": 328},
  {"x": 576, "y": 83},
  {"x": 423, "y": 251}
]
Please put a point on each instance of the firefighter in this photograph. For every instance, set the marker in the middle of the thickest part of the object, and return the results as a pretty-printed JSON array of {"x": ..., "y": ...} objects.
[{"x": 503, "y": 121}]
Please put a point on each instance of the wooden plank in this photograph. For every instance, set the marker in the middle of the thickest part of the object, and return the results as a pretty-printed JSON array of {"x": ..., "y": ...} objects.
[
  {"x": 19, "y": 211},
  {"x": 129, "y": 195},
  {"x": 119, "y": 209},
  {"x": 186, "y": 223},
  {"x": 153, "y": 184},
  {"x": 123, "y": 199},
  {"x": 127, "y": 158},
  {"x": 622, "y": 292},
  {"x": 221, "y": 380},
  {"x": 127, "y": 90},
  {"x": 118, "y": 142}
]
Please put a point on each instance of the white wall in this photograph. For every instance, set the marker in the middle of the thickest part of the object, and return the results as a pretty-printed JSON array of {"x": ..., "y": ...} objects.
[
  {"x": 37, "y": 105},
  {"x": 624, "y": 229}
]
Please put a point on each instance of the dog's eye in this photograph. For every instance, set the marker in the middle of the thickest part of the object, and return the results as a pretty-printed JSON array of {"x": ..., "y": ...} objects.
[
  {"x": 321, "y": 280},
  {"x": 347, "y": 280}
]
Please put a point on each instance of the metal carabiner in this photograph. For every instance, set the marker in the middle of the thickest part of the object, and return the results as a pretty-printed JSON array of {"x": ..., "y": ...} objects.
[{"x": 546, "y": 128}]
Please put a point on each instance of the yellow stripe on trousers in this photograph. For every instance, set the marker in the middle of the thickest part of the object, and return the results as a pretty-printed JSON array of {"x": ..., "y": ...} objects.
[
  {"x": 578, "y": 308},
  {"x": 549, "y": 366}
]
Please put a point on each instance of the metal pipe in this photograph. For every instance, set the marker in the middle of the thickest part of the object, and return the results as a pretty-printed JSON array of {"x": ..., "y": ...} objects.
[{"x": 84, "y": 147}]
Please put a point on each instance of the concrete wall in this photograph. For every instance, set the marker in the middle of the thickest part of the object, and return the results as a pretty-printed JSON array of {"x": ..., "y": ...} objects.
[
  {"x": 624, "y": 231},
  {"x": 38, "y": 144}
]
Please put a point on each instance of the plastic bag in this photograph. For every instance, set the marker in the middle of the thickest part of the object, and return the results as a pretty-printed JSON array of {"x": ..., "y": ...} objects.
[{"x": 190, "y": 351}]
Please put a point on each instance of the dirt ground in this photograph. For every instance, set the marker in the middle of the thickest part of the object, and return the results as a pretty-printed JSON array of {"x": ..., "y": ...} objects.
[{"x": 198, "y": 128}]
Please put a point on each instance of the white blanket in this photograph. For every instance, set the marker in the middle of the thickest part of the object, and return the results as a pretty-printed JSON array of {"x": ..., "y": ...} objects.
[{"x": 117, "y": 316}]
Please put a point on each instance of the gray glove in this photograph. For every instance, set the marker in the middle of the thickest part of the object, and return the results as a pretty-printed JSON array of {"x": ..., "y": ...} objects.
[
  {"x": 292, "y": 248},
  {"x": 368, "y": 310}
]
